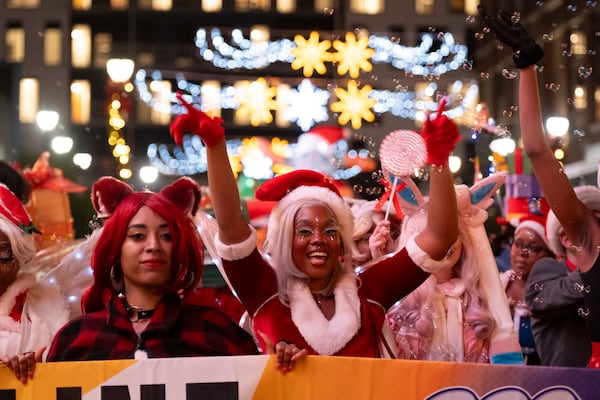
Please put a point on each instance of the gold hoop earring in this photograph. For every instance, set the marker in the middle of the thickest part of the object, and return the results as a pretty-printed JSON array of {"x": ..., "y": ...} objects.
[{"x": 116, "y": 278}]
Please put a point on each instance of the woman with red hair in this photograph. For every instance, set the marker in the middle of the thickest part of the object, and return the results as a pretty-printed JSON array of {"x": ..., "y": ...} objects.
[{"x": 147, "y": 260}]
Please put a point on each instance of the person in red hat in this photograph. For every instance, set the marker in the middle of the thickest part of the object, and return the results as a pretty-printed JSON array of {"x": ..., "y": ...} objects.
[
  {"x": 147, "y": 259},
  {"x": 529, "y": 245},
  {"x": 302, "y": 292},
  {"x": 579, "y": 222},
  {"x": 31, "y": 311}
]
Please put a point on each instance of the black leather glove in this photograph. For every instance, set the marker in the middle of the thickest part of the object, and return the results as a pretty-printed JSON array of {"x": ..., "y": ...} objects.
[{"x": 513, "y": 34}]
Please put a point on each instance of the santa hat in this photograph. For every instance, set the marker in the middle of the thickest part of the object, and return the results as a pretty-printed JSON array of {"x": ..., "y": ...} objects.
[
  {"x": 536, "y": 223},
  {"x": 304, "y": 185},
  {"x": 588, "y": 195},
  {"x": 12, "y": 210}
]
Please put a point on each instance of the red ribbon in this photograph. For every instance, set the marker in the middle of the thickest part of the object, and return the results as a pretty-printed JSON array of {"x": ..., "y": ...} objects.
[{"x": 386, "y": 195}]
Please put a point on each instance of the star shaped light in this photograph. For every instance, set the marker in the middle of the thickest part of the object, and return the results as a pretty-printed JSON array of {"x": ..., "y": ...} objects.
[
  {"x": 310, "y": 55},
  {"x": 257, "y": 101},
  {"x": 353, "y": 55},
  {"x": 354, "y": 105}
]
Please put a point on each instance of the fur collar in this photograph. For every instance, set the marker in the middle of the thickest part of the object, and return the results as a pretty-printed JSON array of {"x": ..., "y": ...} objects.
[
  {"x": 7, "y": 299},
  {"x": 325, "y": 336}
]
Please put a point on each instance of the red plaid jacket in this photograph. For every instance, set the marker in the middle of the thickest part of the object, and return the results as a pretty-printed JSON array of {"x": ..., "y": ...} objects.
[{"x": 176, "y": 330}]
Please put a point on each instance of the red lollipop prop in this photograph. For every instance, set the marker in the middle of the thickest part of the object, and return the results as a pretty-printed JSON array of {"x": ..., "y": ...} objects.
[{"x": 401, "y": 152}]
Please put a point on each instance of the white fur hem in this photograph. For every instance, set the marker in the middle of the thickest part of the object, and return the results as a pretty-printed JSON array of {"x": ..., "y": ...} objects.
[
  {"x": 421, "y": 258},
  {"x": 236, "y": 251},
  {"x": 327, "y": 337}
]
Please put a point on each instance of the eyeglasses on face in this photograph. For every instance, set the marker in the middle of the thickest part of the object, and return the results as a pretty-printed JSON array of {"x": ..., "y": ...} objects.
[
  {"x": 6, "y": 255},
  {"x": 529, "y": 249}
]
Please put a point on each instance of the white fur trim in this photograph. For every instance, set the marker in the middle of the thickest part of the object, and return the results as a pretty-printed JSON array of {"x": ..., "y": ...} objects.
[
  {"x": 236, "y": 251},
  {"x": 588, "y": 195},
  {"x": 302, "y": 194},
  {"x": 325, "y": 336},
  {"x": 535, "y": 227},
  {"x": 422, "y": 259},
  {"x": 8, "y": 298}
]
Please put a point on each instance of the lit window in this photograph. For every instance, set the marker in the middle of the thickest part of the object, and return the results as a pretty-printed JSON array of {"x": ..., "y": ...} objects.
[
  {"x": 259, "y": 33},
  {"x": 597, "y": 101},
  {"x": 102, "y": 49},
  {"x": 80, "y": 101},
  {"x": 212, "y": 5},
  {"x": 52, "y": 46},
  {"x": 119, "y": 4},
  {"x": 286, "y": 6},
  {"x": 15, "y": 44},
  {"x": 324, "y": 6},
  {"x": 580, "y": 100},
  {"x": 471, "y": 6},
  {"x": 82, "y": 4},
  {"x": 156, "y": 5},
  {"x": 252, "y": 5},
  {"x": 29, "y": 89},
  {"x": 282, "y": 97},
  {"x": 22, "y": 3},
  {"x": 81, "y": 46},
  {"x": 578, "y": 43},
  {"x": 210, "y": 98},
  {"x": 424, "y": 7},
  {"x": 368, "y": 7},
  {"x": 160, "y": 112}
]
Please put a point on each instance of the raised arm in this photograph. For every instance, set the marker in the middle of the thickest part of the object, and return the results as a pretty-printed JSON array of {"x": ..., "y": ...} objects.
[
  {"x": 441, "y": 231},
  {"x": 576, "y": 219},
  {"x": 223, "y": 187}
]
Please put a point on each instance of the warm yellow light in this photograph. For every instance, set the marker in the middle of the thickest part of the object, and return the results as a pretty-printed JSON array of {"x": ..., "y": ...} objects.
[
  {"x": 120, "y": 69},
  {"x": 125, "y": 173},
  {"x": 559, "y": 154}
]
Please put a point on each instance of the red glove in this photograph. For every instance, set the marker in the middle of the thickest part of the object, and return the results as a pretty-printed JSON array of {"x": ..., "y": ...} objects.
[
  {"x": 595, "y": 358},
  {"x": 441, "y": 136},
  {"x": 195, "y": 121}
]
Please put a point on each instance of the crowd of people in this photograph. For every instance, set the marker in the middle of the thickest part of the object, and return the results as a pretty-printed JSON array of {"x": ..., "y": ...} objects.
[{"x": 332, "y": 277}]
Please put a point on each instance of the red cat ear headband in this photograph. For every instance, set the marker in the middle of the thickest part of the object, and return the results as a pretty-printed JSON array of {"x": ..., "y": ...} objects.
[
  {"x": 108, "y": 192},
  {"x": 12, "y": 209}
]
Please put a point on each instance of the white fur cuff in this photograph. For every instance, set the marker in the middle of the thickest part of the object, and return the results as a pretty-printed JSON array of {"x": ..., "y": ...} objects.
[
  {"x": 421, "y": 258},
  {"x": 236, "y": 251}
]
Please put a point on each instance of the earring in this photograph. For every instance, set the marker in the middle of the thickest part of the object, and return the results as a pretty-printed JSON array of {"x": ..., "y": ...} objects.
[
  {"x": 190, "y": 276},
  {"x": 116, "y": 278}
]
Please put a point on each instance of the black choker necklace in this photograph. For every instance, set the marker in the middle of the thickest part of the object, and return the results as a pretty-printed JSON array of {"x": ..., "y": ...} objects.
[{"x": 135, "y": 313}]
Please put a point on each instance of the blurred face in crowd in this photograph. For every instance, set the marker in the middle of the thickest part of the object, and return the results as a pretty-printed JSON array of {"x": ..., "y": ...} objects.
[
  {"x": 9, "y": 266},
  {"x": 527, "y": 248},
  {"x": 316, "y": 244}
]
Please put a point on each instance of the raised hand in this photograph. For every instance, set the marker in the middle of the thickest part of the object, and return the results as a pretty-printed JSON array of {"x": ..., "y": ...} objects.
[
  {"x": 441, "y": 136},
  {"x": 195, "y": 121},
  {"x": 513, "y": 34}
]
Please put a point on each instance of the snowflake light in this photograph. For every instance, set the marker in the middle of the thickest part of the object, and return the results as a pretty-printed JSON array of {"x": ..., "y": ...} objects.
[{"x": 307, "y": 105}]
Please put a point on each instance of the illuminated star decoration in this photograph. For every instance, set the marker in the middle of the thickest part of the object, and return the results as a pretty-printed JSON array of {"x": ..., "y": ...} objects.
[
  {"x": 354, "y": 105},
  {"x": 256, "y": 101},
  {"x": 307, "y": 105},
  {"x": 310, "y": 55},
  {"x": 353, "y": 55}
]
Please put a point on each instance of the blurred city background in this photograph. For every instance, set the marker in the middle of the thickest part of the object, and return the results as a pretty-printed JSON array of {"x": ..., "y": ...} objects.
[{"x": 299, "y": 83}]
